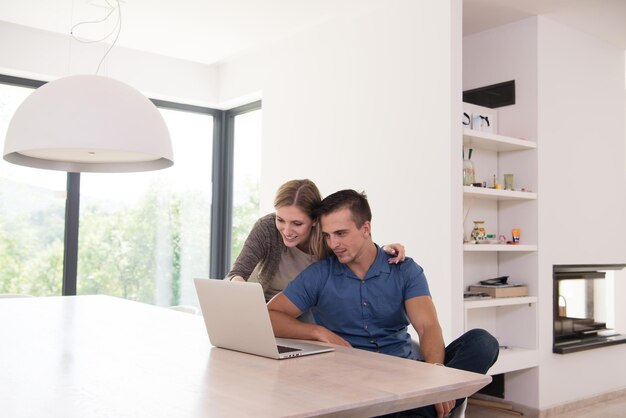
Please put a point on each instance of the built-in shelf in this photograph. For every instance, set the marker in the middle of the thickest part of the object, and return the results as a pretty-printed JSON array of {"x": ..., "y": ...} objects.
[
  {"x": 512, "y": 321},
  {"x": 493, "y": 302},
  {"x": 496, "y": 194},
  {"x": 499, "y": 247},
  {"x": 515, "y": 358},
  {"x": 495, "y": 142}
]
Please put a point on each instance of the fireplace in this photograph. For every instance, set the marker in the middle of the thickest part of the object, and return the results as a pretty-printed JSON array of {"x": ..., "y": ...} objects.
[{"x": 583, "y": 307}]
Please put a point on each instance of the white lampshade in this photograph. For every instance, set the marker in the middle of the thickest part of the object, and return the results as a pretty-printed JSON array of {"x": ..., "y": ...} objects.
[{"x": 88, "y": 123}]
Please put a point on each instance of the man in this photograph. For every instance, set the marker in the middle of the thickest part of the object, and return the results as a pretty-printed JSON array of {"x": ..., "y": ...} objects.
[{"x": 360, "y": 300}]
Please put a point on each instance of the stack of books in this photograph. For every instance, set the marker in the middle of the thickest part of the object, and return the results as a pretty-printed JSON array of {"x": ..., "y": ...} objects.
[{"x": 501, "y": 290}]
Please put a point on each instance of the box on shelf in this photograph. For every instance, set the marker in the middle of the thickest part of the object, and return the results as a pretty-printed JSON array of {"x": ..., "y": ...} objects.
[{"x": 502, "y": 291}]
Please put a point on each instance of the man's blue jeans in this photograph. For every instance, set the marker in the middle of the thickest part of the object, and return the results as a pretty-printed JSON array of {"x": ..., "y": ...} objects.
[{"x": 475, "y": 351}]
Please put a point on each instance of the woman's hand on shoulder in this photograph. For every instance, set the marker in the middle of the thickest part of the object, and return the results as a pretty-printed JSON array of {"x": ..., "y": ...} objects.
[{"x": 396, "y": 250}]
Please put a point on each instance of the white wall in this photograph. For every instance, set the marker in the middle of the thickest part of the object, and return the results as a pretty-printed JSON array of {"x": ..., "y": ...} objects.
[
  {"x": 38, "y": 54},
  {"x": 365, "y": 102},
  {"x": 583, "y": 200},
  {"x": 506, "y": 53},
  {"x": 570, "y": 99}
]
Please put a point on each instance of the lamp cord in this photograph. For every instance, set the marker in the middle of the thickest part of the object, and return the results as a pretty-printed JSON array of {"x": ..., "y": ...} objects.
[{"x": 118, "y": 27}]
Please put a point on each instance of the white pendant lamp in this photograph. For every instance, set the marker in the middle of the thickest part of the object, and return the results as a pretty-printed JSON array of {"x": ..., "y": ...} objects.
[{"x": 88, "y": 123}]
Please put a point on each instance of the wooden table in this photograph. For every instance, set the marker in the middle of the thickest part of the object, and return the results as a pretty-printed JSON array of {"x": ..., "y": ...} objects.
[{"x": 99, "y": 356}]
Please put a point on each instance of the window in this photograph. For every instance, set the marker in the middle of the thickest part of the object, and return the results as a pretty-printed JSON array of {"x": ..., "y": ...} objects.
[
  {"x": 32, "y": 213},
  {"x": 246, "y": 176},
  {"x": 145, "y": 236}
]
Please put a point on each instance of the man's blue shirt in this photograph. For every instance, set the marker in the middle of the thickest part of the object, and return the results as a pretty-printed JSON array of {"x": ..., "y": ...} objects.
[{"x": 368, "y": 313}]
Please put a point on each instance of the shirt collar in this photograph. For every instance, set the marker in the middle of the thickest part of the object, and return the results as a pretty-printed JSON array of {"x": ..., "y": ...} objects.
[{"x": 379, "y": 266}]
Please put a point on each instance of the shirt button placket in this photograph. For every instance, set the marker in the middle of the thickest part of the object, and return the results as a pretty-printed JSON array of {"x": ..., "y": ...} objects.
[{"x": 364, "y": 304}]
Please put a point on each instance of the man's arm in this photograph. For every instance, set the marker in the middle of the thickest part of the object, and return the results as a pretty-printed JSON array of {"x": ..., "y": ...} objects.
[
  {"x": 423, "y": 317},
  {"x": 283, "y": 314}
]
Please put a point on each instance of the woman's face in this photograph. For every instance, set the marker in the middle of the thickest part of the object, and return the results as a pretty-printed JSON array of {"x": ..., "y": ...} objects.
[{"x": 294, "y": 226}]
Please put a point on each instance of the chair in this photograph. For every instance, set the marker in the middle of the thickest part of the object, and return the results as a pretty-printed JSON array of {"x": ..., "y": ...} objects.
[
  {"x": 187, "y": 309},
  {"x": 460, "y": 411},
  {"x": 15, "y": 295}
]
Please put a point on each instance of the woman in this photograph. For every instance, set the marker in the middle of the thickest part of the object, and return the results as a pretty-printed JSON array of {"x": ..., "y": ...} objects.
[{"x": 284, "y": 243}]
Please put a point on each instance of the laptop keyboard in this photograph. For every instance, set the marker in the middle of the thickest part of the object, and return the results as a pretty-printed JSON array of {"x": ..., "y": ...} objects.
[{"x": 282, "y": 349}]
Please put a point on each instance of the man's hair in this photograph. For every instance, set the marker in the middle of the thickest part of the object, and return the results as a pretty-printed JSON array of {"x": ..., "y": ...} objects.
[{"x": 350, "y": 199}]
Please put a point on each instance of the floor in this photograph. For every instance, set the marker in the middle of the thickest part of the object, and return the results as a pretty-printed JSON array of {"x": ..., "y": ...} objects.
[{"x": 614, "y": 408}]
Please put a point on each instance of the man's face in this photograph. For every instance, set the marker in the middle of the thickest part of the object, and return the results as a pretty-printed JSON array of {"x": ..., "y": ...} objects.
[{"x": 343, "y": 237}]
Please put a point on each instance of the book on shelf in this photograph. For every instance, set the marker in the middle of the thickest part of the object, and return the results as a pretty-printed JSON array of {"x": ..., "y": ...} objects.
[
  {"x": 467, "y": 295},
  {"x": 501, "y": 291}
]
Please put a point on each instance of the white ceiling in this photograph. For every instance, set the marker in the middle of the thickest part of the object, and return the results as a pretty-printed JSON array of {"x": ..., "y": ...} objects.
[
  {"x": 209, "y": 31},
  {"x": 204, "y": 31},
  {"x": 605, "y": 19}
]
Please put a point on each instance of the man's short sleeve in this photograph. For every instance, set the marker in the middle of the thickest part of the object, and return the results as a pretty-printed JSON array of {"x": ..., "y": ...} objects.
[
  {"x": 304, "y": 290},
  {"x": 415, "y": 280}
]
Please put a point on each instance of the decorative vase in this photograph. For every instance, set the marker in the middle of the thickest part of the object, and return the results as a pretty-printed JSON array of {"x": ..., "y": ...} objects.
[
  {"x": 479, "y": 233},
  {"x": 468, "y": 173}
]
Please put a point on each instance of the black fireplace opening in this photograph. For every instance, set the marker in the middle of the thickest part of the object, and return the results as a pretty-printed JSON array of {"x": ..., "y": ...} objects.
[{"x": 583, "y": 307}]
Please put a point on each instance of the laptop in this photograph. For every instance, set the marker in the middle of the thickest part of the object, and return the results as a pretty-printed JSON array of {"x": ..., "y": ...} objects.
[{"x": 236, "y": 318}]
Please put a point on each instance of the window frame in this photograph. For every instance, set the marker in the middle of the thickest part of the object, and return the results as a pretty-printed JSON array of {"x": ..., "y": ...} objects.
[{"x": 223, "y": 172}]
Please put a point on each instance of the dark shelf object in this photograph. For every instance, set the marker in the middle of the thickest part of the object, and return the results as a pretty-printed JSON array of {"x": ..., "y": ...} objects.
[
  {"x": 588, "y": 343},
  {"x": 495, "y": 95}
]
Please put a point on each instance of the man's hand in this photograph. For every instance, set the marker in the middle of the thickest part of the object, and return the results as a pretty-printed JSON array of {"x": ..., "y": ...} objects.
[
  {"x": 326, "y": 336},
  {"x": 443, "y": 409},
  {"x": 283, "y": 314}
]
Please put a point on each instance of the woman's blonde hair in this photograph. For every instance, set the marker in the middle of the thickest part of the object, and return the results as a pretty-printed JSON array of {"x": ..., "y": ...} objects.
[{"x": 305, "y": 195}]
